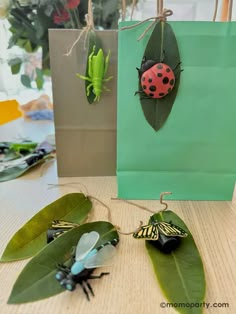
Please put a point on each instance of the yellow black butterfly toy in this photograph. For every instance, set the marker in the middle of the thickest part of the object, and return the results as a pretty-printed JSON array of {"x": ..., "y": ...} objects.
[
  {"x": 163, "y": 235},
  {"x": 58, "y": 228}
]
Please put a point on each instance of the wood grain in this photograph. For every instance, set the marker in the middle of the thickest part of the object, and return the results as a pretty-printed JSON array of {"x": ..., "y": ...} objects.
[{"x": 131, "y": 286}]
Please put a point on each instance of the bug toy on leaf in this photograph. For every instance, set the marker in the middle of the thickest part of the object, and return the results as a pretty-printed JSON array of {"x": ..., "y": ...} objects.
[
  {"x": 157, "y": 79},
  {"x": 84, "y": 262},
  {"x": 97, "y": 69}
]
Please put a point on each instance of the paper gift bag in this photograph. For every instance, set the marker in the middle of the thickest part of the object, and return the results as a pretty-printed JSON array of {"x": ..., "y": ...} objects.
[
  {"x": 194, "y": 154},
  {"x": 85, "y": 133}
]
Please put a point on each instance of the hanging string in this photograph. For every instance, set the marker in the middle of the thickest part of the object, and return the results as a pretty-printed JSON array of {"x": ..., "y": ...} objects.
[
  {"x": 89, "y": 26},
  {"x": 143, "y": 208},
  {"x": 123, "y": 10},
  {"x": 159, "y": 7},
  {"x": 104, "y": 205},
  {"x": 131, "y": 203},
  {"x": 109, "y": 217},
  {"x": 230, "y": 9},
  {"x": 215, "y": 10},
  {"x": 134, "y": 3},
  {"x": 130, "y": 232},
  {"x": 162, "y": 17}
]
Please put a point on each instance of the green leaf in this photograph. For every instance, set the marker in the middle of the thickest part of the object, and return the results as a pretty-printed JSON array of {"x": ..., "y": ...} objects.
[
  {"x": 15, "y": 65},
  {"x": 162, "y": 42},
  {"x": 25, "y": 80},
  {"x": 37, "y": 280},
  {"x": 39, "y": 78},
  {"x": 31, "y": 238},
  {"x": 180, "y": 274}
]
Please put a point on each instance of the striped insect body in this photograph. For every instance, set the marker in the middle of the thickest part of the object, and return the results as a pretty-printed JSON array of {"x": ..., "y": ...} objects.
[
  {"x": 59, "y": 227},
  {"x": 153, "y": 230},
  {"x": 84, "y": 261}
]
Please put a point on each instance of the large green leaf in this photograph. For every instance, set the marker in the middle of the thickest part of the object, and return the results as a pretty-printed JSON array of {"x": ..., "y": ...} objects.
[
  {"x": 37, "y": 280},
  {"x": 180, "y": 273},
  {"x": 31, "y": 238},
  {"x": 162, "y": 43}
]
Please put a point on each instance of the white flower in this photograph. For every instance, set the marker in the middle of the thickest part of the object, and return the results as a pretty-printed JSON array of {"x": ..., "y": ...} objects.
[{"x": 4, "y": 7}]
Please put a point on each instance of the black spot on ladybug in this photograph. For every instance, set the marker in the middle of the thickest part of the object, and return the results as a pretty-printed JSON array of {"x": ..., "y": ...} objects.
[
  {"x": 172, "y": 82},
  {"x": 143, "y": 79},
  {"x": 161, "y": 94},
  {"x": 168, "y": 70},
  {"x": 159, "y": 66},
  {"x": 159, "y": 74},
  {"x": 144, "y": 86},
  {"x": 152, "y": 88},
  {"x": 169, "y": 90},
  {"x": 165, "y": 80},
  {"x": 151, "y": 94},
  {"x": 150, "y": 80}
]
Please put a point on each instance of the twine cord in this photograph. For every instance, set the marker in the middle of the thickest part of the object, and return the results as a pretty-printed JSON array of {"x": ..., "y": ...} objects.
[
  {"x": 143, "y": 208},
  {"x": 52, "y": 185},
  {"x": 215, "y": 10},
  {"x": 89, "y": 27},
  {"x": 104, "y": 205},
  {"x": 134, "y": 3},
  {"x": 161, "y": 17}
]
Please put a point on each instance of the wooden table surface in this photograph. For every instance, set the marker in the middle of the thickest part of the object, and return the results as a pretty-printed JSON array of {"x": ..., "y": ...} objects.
[{"x": 131, "y": 286}]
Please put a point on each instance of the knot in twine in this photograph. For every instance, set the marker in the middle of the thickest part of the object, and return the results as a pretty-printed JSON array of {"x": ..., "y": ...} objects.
[
  {"x": 161, "y": 17},
  {"x": 89, "y": 26}
]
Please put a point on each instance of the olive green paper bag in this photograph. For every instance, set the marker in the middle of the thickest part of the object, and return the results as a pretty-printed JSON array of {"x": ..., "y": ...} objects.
[
  {"x": 85, "y": 133},
  {"x": 194, "y": 153}
]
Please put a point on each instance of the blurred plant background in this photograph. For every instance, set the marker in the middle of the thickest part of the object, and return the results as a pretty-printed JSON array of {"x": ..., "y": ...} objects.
[{"x": 30, "y": 20}]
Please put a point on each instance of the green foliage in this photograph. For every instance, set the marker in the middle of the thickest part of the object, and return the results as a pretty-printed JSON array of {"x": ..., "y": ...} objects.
[
  {"x": 30, "y": 24},
  {"x": 180, "y": 274},
  {"x": 161, "y": 42},
  {"x": 37, "y": 280},
  {"x": 25, "y": 80},
  {"x": 31, "y": 238}
]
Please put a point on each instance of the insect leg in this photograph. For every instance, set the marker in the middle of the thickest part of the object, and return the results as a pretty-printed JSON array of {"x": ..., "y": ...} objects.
[
  {"x": 97, "y": 276},
  {"x": 90, "y": 288},
  {"x": 90, "y": 66},
  {"x": 84, "y": 77},
  {"x": 106, "y": 89},
  {"x": 108, "y": 79},
  {"x": 88, "y": 88},
  {"x": 107, "y": 62},
  {"x": 85, "y": 291}
]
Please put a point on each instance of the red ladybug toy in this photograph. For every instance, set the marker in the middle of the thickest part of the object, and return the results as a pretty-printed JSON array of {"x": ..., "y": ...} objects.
[{"x": 157, "y": 79}]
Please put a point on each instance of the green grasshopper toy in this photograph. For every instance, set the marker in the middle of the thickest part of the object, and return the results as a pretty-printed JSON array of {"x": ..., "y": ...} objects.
[{"x": 97, "y": 69}]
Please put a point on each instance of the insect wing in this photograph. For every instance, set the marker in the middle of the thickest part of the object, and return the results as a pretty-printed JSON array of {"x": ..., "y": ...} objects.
[
  {"x": 102, "y": 258},
  {"x": 85, "y": 244},
  {"x": 149, "y": 232},
  {"x": 170, "y": 230},
  {"x": 62, "y": 224}
]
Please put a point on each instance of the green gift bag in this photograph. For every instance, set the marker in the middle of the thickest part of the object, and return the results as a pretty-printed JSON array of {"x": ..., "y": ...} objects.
[{"x": 194, "y": 153}]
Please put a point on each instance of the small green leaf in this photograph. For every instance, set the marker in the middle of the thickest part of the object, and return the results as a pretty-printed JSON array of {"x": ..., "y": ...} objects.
[
  {"x": 39, "y": 78},
  {"x": 28, "y": 46},
  {"x": 15, "y": 65},
  {"x": 25, "y": 80},
  {"x": 162, "y": 42},
  {"x": 180, "y": 273},
  {"x": 37, "y": 280},
  {"x": 31, "y": 238}
]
